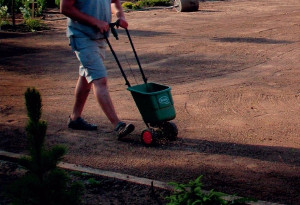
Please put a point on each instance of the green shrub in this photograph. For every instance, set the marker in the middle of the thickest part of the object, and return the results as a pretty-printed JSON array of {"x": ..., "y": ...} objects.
[
  {"x": 129, "y": 5},
  {"x": 33, "y": 24},
  {"x": 43, "y": 183},
  {"x": 42, "y": 4},
  {"x": 145, "y": 3},
  {"x": 25, "y": 12},
  {"x": 136, "y": 7},
  {"x": 192, "y": 193},
  {"x": 150, "y": 3},
  {"x": 3, "y": 16},
  {"x": 8, "y": 3},
  {"x": 57, "y": 3},
  {"x": 39, "y": 7}
]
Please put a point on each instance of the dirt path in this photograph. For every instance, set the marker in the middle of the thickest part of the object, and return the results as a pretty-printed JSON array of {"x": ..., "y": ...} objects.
[{"x": 233, "y": 69}]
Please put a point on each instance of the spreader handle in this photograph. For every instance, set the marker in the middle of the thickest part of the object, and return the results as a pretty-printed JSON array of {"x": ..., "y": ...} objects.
[
  {"x": 115, "y": 33},
  {"x": 136, "y": 56},
  {"x": 113, "y": 30}
]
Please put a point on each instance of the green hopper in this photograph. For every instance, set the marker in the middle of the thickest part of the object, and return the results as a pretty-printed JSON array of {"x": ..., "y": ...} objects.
[{"x": 153, "y": 100}]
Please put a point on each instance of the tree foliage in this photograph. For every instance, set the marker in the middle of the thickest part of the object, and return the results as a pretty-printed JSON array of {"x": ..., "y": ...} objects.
[{"x": 44, "y": 183}]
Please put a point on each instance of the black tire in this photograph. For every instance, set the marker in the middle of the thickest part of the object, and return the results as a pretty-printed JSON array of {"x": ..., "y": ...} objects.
[{"x": 170, "y": 130}]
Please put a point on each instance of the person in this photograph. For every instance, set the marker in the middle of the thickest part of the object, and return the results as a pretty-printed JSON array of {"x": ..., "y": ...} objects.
[{"x": 87, "y": 23}]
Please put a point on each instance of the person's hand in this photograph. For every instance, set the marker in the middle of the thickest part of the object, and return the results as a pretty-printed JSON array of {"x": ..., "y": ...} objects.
[
  {"x": 123, "y": 23},
  {"x": 102, "y": 26}
]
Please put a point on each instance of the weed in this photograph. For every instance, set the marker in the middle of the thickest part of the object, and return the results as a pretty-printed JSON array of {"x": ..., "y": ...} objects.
[
  {"x": 33, "y": 24},
  {"x": 192, "y": 194},
  {"x": 78, "y": 173},
  {"x": 93, "y": 182}
]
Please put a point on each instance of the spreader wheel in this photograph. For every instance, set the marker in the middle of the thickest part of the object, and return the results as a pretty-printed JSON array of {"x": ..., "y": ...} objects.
[
  {"x": 170, "y": 130},
  {"x": 149, "y": 137}
]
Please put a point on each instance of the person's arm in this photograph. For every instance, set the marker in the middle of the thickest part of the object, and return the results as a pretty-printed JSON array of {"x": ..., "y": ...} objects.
[
  {"x": 117, "y": 9},
  {"x": 67, "y": 7}
]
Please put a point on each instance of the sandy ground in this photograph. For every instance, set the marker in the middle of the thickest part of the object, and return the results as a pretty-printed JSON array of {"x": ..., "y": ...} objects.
[{"x": 233, "y": 67}]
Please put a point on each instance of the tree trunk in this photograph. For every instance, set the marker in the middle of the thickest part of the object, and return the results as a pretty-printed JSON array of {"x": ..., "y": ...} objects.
[{"x": 13, "y": 13}]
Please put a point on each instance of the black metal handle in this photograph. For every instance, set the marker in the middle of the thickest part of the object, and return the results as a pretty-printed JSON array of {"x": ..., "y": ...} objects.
[
  {"x": 136, "y": 56},
  {"x": 114, "y": 32},
  {"x": 118, "y": 62}
]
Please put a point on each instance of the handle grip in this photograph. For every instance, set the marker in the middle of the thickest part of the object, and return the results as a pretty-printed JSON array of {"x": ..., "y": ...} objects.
[
  {"x": 113, "y": 30},
  {"x": 112, "y": 27}
]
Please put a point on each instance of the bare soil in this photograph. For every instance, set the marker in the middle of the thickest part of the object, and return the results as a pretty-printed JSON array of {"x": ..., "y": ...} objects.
[{"x": 233, "y": 67}]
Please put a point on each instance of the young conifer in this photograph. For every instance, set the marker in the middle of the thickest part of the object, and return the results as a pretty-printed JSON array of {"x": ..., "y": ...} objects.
[{"x": 44, "y": 183}]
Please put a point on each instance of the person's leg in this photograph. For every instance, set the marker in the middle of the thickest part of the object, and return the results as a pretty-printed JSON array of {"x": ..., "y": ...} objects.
[
  {"x": 81, "y": 93},
  {"x": 104, "y": 100},
  {"x": 91, "y": 54}
]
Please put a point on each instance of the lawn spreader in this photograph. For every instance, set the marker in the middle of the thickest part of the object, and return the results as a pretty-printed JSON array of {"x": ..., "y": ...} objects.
[{"x": 153, "y": 100}]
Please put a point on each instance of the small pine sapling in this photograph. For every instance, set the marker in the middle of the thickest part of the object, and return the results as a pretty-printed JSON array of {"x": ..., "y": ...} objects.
[{"x": 43, "y": 183}]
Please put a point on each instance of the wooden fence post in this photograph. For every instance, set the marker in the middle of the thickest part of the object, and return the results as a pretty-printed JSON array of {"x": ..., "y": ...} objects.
[
  {"x": 32, "y": 9},
  {"x": 13, "y": 13}
]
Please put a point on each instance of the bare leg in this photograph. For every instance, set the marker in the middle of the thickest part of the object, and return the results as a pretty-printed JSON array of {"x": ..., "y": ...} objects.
[
  {"x": 82, "y": 91},
  {"x": 104, "y": 100}
]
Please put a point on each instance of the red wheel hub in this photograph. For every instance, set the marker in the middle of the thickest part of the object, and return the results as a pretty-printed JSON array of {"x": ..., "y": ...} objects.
[{"x": 147, "y": 137}]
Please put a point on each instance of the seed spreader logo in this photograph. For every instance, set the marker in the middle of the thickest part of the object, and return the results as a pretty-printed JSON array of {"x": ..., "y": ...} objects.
[{"x": 164, "y": 100}]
